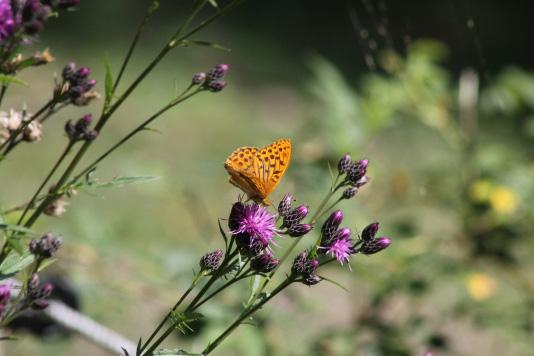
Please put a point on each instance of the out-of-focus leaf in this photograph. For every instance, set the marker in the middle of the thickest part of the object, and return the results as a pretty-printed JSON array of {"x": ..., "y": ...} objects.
[
  {"x": 205, "y": 44},
  {"x": 173, "y": 352},
  {"x": 46, "y": 263},
  {"x": 115, "y": 182},
  {"x": 9, "y": 79},
  {"x": 16, "y": 228},
  {"x": 15, "y": 263}
]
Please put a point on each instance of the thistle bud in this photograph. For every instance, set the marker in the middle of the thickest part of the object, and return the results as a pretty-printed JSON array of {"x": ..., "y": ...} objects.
[
  {"x": 33, "y": 132},
  {"x": 46, "y": 246},
  {"x": 295, "y": 216},
  {"x": 344, "y": 164},
  {"x": 211, "y": 261},
  {"x": 198, "y": 78},
  {"x": 90, "y": 135},
  {"x": 311, "y": 279},
  {"x": 33, "y": 282},
  {"x": 217, "y": 72},
  {"x": 375, "y": 245},
  {"x": 39, "y": 304},
  {"x": 304, "y": 266},
  {"x": 284, "y": 207},
  {"x": 331, "y": 225},
  {"x": 297, "y": 230},
  {"x": 264, "y": 263},
  {"x": 357, "y": 170},
  {"x": 68, "y": 71},
  {"x": 350, "y": 192},
  {"x": 216, "y": 85},
  {"x": 369, "y": 232}
]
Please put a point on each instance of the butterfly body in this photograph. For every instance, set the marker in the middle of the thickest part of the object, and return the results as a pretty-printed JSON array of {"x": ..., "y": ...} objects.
[{"x": 257, "y": 171}]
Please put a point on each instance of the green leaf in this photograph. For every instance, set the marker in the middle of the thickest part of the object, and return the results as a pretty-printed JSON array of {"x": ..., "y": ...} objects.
[
  {"x": 335, "y": 283},
  {"x": 8, "y": 338},
  {"x": 46, "y": 263},
  {"x": 205, "y": 44},
  {"x": 9, "y": 79},
  {"x": 14, "y": 242},
  {"x": 108, "y": 85},
  {"x": 223, "y": 234},
  {"x": 15, "y": 263},
  {"x": 214, "y": 3},
  {"x": 120, "y": 181},
  {"x": 17, "y": 228},
  {"x": 180, "y": 320}
]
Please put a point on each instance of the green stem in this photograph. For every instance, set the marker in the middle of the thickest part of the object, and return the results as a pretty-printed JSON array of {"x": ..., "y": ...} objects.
[
  {"x": 245, "y": 314},
  {"x": 46, "y": 180},
  {"x": 3, "y": 92},
  {"x": 162, "y": 323}
]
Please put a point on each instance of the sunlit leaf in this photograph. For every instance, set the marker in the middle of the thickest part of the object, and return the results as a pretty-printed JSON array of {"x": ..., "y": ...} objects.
[
  {"x": 9, "y": 79},
  {"x": 15, "y": 263}
]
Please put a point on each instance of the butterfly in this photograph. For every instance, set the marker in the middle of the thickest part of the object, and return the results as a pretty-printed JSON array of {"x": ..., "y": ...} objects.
[{"x": 257, "y": 171}]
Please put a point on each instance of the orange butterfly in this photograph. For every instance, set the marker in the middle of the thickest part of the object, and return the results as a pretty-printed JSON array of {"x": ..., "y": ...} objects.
[{"x": 257, "y": 171}]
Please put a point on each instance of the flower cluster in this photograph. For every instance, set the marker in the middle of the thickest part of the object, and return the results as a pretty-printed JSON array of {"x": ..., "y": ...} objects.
[
  {"x": 11, "y": 122},
  {"x": 80, "y": 130},
  {"x": 305, "y": 267},
  {"x": 46, "y": 246},
  {"x": 38, "y": 293},
  {"x": 212, "y": 80},
  {"x": 355, "y": 175},
  {"x": 293, "y": 217},
  {"x": 76, "y": 86},
  {"x": 19, "y": 18}
]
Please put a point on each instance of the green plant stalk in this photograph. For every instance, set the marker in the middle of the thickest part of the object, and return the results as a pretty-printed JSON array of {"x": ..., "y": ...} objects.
[
  {"x": 197, "y": 279},
  {"x": 245, "y": 314},
  {"x": 106, "y": 115},
  {"x": 228, "y": 257}
]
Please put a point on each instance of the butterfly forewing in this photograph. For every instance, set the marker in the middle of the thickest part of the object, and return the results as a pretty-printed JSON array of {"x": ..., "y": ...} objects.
[{"x": 258, "y": 171}]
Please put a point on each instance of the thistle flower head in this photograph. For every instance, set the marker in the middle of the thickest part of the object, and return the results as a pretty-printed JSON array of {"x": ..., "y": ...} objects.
[
  {"x": 5, "y": 294},
  {"x": 369, "y": 232},
  {"x": 46, "y": 246},
  {"x": 356, "y": 171},
  {"x": 284, "y": 207},
  {"x": 7, "y": 20},
  {"x": 37, "y": 294},
  {"x": 264, "y": 263},
  {"x": 198, "y": 78},
  {"x": 375, "y": 245},
  {"x": 302, "y": 265},
  {"x": 311, "y": 279},
  {"x": 33, "y": 131},
  {"x": 341, "y": 247},
  {"x": 349, "y": 193},
  {"x": 299, "y": 230},
  {"x": 330, "y": 226},
  {"x": 217, "y": 72},
  {"x": 295, "y": 216},
  {"x": 252, "y": 224},
  {"x": 344, "y": 164},
  {"x": 217, "y": 85},
  {"x": 211, "y": 261}
]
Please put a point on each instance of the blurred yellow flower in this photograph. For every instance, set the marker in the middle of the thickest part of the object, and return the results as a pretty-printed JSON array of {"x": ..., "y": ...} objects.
[
  {"x": 503, "y": 200},
  {"x": 480, "y": 286},
  {"x": 480, "y": 191}
]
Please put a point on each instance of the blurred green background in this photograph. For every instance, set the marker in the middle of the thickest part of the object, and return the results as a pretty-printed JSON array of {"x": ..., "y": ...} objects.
[{"x": 451, "y": 178}]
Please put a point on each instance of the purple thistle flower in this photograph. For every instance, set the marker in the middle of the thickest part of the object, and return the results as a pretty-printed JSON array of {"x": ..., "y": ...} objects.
[
  {"x": 252, "y": 221},
  {"x": 344, "y": 164},
  {"x": 299, "y": 230},
  {"x": 5, "y": 294},
  {"x": 7, "y": 20},
  {"x": 369, "y": 232},
  {"x": 211, "y": 261},
  {"x": 341, "y": 247},
  {"x": 330, "y": 226},
  {"x": 284, "y": 207},
  {"x": 375, "y": 245},
  {"x": 264, "y": 263}
]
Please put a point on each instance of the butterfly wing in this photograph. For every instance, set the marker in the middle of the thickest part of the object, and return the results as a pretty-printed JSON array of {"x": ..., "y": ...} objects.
[
  {"x": 240, "y": 167},
  {"x": 270, "y": 165}
]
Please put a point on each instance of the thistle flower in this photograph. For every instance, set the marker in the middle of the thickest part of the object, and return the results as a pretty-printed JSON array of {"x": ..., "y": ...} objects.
[
  {"x": 295, "y": 216},
  {"x": 46, "y": 246},
  {"x": 375, "y": 245},
  {"x": 302, "y": 265},
  {"x": 10, "y": 120},
  {"x": 33, "y": 131},
  {"x": 76, "y": 85},
  {"x": 252, "y": 225},
  {"x": 299, "y": 230},
  {"x": 341, "y": 246},
  {"x": 198, "y": 78},
  {"x": 80, "y": 130},
  {"x": 7, "y": 20},
  {"x": 217, "y": 72},
  {"x": 211, "y": 261},
  {"x": 357, "y": 171},
  {"x": 350, "y": 192},
  {"x": 34, "y": 15},
  {"x": 284, "y": 207},
  {"x": 369, "y": 232},
  {"x": 37, "y": 294},
  {"x": 344, "y": 164},
  {"x": 217, "y": 85},
  {"x": 264, "y": 263},
  {"x": 330, "y": 226},
  {"x": 5, "y": 294}
]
